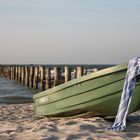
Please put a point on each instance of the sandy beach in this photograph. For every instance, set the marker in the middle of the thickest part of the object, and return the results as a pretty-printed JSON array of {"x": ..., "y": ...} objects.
[{"x": 20, "y": 122}]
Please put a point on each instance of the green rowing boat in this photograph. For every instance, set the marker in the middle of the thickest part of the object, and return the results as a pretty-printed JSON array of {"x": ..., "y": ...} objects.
[{"x": 95, "y": 94}]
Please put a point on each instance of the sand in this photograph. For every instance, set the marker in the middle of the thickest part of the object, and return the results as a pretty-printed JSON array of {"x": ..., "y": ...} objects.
[{"x": 19, "y": 122}]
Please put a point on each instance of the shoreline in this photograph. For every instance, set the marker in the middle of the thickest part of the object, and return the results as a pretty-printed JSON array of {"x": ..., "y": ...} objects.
[{"x": 18, "y": 121}]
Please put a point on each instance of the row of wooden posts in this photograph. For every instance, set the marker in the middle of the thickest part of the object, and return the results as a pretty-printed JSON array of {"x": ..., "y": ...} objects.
[{"x": 37, "y": 76}]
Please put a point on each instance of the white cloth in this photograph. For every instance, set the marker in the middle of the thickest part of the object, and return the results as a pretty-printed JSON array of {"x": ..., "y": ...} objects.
[{"x": 132, "y": 71}]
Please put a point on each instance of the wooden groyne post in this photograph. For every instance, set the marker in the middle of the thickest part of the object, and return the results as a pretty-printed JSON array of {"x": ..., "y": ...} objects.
[
  {"x": 47, "y": 78},
  {"x": 22, "y": 75},
  {"x": 67, "y": 74},
  {"x": 31, "y": 72},
  {"x": 41, "y": 75},
  {"x": 80, "y": 71},
  {"x": 35, "y": 78},
  {"x": 26, "y": 76}
]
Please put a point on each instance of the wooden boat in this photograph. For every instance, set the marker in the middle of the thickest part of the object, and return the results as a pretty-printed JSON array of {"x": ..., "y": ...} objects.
[{"x": 95, "y": 94}]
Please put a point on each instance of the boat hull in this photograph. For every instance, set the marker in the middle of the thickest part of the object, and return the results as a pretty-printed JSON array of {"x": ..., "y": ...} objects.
[{"x": 96, "y": 94}]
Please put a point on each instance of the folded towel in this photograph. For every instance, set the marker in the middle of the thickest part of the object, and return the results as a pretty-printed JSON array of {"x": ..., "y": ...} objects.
[{"x": 130, "y": 79}]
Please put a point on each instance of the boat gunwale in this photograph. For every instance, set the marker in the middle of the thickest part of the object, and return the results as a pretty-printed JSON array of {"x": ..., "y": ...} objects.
[{"x": 81, "y": 79}]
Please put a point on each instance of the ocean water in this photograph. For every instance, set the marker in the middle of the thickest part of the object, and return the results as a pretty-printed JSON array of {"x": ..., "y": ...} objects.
[{"x": 12, "y": 92}]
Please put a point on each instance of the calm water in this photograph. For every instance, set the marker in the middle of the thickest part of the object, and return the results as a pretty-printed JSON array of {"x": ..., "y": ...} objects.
[{"x": 12, "y": 92}]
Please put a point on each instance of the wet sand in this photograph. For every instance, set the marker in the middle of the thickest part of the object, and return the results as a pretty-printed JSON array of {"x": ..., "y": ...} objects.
[{"x": 19, "y": 122}]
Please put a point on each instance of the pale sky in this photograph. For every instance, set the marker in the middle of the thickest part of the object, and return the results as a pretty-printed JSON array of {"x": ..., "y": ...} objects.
[{"x": 69, "y": 31}]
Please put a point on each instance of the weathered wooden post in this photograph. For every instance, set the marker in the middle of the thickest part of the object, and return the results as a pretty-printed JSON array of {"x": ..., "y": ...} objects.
[
  {"x": 16, "y": 73},
  {"x": 79, "y": 71},
  {"x": 67, "y": 73},
  {"x": 26, "y": 75},
  {"x": 43, "y": 81},
  {"x": 11, "y": 72},
  {"x": 1, "y": 73},
  {"x": 42, "y": 77},
  {"x": 22, "y": 75},
  {"x": 47, "y": 78},
  {"x": 8, "y": 72},
  {"x": 31, "y": 76},
  {"x": 55, "y": 72},
  {"x": 6, "y": 75},
  {"x": 41, "y": 73},
  {"x": 19, "y": 74},
  {"x": 5, "y": 71},
  {"x": 0, "y": 70},
  {"x": 35, "y": 79}
]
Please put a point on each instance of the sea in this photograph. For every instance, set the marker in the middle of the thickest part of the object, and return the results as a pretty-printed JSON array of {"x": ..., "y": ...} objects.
[{"x": 13, "y": 92}]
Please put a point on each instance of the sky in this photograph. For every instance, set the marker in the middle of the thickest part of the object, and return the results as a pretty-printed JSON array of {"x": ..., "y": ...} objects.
[{"x": 69, "y": 31}]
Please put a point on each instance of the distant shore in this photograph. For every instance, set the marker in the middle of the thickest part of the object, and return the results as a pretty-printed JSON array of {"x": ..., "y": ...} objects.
[{"x": 20, "y": 122}]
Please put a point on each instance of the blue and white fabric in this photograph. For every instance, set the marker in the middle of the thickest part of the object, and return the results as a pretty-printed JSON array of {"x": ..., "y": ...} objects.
[{"x": 132, "y": 71}]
